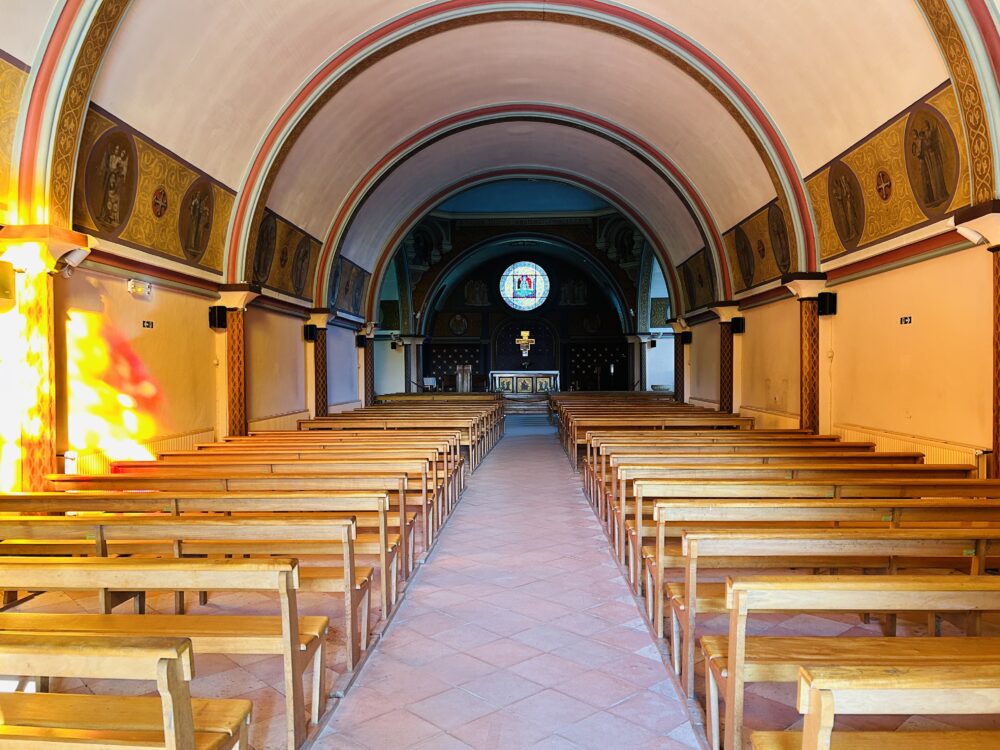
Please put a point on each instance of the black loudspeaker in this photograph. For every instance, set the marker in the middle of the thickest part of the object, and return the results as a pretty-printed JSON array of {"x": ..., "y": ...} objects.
[
  {"x": 687, "y": 337},
  {"x": 217, "y": 317},
  {"x": 652, "y": 343},
  {"x": 827, "y": 303},
  {"x": 359, "y": 341},
  {"x": 309, "y": 332},
  {"x": 739, "y": 325}
]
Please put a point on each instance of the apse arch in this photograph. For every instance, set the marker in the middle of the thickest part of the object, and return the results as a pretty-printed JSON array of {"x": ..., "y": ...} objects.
[
  {"x": 458, "y": 268},
  {"x": 411, "y": 220},
  {"x": 675, "y": 178},
  {"x": 643, "y": 30}
]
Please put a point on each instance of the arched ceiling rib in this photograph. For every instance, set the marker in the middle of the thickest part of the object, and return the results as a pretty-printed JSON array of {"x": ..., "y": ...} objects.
[{"x": 519, "y": 146}]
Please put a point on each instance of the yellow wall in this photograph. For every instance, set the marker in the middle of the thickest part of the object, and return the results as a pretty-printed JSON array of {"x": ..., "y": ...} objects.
[
  {"x": 276, "y": 375},
  {"x": 931, "y": 378},
  {"x": 704, "y": 353},
  {"x": 771, "y": 359},
  {"x": 12, "y": 81},
  {"x": 178, "y": 351}
]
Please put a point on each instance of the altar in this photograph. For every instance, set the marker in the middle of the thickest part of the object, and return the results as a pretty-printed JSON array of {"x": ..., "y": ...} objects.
[{"x": 524, "y": 381}]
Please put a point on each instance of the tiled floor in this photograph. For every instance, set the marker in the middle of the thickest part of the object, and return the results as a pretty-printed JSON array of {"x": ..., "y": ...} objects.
[{"x": 519, "y": 631}]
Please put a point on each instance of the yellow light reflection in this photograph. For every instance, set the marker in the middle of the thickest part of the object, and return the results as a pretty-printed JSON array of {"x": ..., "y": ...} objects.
[
  {"x": 26, "y": 404},
  {"x": 112, "y": 398}
]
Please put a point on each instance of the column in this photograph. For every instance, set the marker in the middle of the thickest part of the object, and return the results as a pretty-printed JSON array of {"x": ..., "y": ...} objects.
[
  {"x": 316, "y": 365},
  {"x": 727, "y": 362},
  {"x": 807, "y": 288},
  {"x": 412, "y": 346},
  {"x": 369, "y": 385},
  {"x": 680, "y": 360},
  {"x": 30, "y": 253},
  {"x": 636, "y": 362},
  {"x": 231, "y": 381}
]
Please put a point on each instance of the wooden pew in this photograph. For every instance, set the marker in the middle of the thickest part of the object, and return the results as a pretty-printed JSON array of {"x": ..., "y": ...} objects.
[
  {"x": 285, "y": 484},
  {"x": 369, "y": 509},
  {"x": 173, "y": 720},
  {"x": 780, "y": 548},
  {"x": 630, "y": 517},
  {"x": 300, "y": 641},
  {"x": 742, "y": 658},
  {"x": 648, "y": 491},
  {"x": 673, "y": 517},
  {"x": 825, "y": 692},
  {"x": 185, "y": 536},
  {"x": 421, "y": 476}
]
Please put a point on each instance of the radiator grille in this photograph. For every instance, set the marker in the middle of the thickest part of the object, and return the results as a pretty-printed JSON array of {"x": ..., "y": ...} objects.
[{"x": 935, "y": 451}]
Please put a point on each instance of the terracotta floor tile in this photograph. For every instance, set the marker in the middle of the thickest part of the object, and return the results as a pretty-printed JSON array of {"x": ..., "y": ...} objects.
[
  {"x": 551, "y": 709},
  {"x": 501, "y": 688},
  {"x": 452, "y": 708}
]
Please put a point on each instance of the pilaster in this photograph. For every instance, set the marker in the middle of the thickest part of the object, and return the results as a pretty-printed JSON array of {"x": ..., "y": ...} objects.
[
  {"x": 807, "y": 288},
  {"x": 727, "y": 362},
  {"x": 233, "y": 374},
  {"x": 680, "y": 358}
]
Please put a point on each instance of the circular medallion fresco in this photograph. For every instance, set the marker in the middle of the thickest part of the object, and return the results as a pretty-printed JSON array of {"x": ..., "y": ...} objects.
[
  {"x": 264, "y": 251},
  {"x": 300, "y": 266},
  {"x": 744, "y": 256},
  {"x": 524, "y": 286},
  {"x": 194, "y": 222},
  {"x": 778, "y": 233},
  {"x": 458, "y": 324},
  {"x": 932, "y": 162},
  {"x": 846, "y": 204},
  {"x": 110, "y": 180},
  {"x": 159, "y": 202}
]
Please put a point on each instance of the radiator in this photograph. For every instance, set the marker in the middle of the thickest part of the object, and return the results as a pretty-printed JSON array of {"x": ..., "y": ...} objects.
[
  {"x": 935, "y": 451},
  {"x": 96, "y": 462}
]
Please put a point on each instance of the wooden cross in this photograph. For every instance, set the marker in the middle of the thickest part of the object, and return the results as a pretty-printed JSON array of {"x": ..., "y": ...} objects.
[{"x": 525, "y": 342}]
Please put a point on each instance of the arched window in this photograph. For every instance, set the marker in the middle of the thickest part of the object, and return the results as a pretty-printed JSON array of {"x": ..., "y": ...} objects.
[{"x": 524, "y": 286}]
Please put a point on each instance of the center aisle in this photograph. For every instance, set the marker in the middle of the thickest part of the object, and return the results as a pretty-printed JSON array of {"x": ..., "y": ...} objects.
[{"x": 519, "y": 631}]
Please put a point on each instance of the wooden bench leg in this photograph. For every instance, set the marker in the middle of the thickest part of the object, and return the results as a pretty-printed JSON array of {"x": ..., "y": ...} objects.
[
  {"x": 712, "y": 727},
  {"x": 9, "y": 597},
  {"x": 319, "y": 682}
]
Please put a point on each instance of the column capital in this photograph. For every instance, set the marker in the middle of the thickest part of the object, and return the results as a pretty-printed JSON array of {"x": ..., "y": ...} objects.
[
  {"x": 678, "y": 324},
  {"x": 725, "y": 310},
  {"x": 51, "y": 244},
  {"x": 804, "y": 285},
  {"x": 319, "y": 317},
  {"x": 979, "y": 224},
  {"x": 238, "y": 296}
]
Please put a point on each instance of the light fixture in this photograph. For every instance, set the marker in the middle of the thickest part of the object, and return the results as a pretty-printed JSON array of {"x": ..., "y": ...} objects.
[{"x": 140, "y": 288}]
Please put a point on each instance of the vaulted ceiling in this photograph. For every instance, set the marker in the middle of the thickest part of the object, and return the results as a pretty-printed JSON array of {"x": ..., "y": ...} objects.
[{"x": 350, "y": 118}]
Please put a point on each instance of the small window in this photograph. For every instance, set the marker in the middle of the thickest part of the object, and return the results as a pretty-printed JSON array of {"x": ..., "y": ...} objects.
[{"x": 524, "y": 286}]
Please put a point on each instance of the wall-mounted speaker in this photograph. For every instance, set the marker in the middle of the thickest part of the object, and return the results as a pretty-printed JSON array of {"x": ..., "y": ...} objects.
[
  {"x": 309, "y": 332},
  {"x": 217, "y": 317},
  {"x": 827, "y": 303},
  {"x": 652, "y": 343},
  {"x": 739, "y": 325},
  {"x": 687, "y": 337},
  {"x": 359, "y": 341}
]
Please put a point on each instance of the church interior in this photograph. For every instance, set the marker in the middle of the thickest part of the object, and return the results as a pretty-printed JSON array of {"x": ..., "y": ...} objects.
[{"x": 555, "y": 374}]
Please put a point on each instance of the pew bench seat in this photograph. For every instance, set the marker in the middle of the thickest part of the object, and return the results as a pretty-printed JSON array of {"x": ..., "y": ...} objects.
[
  {"x": 945, "y": 740},
  {"x": 36, "y": 720}
]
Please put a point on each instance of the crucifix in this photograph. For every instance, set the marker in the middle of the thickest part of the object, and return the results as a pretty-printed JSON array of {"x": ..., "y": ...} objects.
[{"x": 525, "y": 342}]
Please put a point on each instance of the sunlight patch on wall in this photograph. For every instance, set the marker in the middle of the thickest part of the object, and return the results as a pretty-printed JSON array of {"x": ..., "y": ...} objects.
[{"x": 112, "y": 397}]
